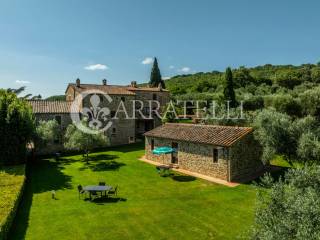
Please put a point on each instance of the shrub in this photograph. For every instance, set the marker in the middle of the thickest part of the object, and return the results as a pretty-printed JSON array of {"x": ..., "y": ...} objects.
[
  {"x": 291, "y": 209},
  {"x": 311, "y": 102},
  {"x": 274, "y": 132},
  {"x": 12, "y": 181},
  {"x": 253, "y": 103},
  {"x": 284, "y": 103},
  {"x": 289, "y": 79},
  {"x": 309, "y": 148},
  {"x": 315, "y": 74}
]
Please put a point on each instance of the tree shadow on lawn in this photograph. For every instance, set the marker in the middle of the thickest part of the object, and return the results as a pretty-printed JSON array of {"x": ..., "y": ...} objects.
[
  {"x": 102, "y": 162},
  {"x": 129, "y": 147},
  {"x": 178, "y": 177},
  {"x": 47, "y": 175},
  {"x": 105, "y": 200},
  {"x": 43, "y": 175},
  {"x": 183, "y": 178}
]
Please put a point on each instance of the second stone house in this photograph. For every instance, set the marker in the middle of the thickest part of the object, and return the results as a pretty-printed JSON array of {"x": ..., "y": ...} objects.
[{"x": 225, "y": 152}]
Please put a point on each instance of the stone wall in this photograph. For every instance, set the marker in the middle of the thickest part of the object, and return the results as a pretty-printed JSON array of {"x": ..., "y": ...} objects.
[
  {"x": 122, "y": 130},
  {"x": 145, "y": 96},
  {"x": 191, "y": 156},
  {"x": 199, "y": 158},
  {"x": 158, "y": 142},
  {"x": 245, "y": 156},
  {"x": 239, "y": 162}
]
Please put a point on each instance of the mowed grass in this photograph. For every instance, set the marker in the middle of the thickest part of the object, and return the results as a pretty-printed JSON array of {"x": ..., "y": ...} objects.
[{"x": 148, "y": 206}]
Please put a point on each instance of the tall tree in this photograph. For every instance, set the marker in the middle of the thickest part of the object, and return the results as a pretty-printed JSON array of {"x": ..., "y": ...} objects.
[
  {"x": 16, "y": 128},
  {"x": 229, "y": 94},
  {"x": 155, "y": 77},
  {"x": 19, "y": 90}
]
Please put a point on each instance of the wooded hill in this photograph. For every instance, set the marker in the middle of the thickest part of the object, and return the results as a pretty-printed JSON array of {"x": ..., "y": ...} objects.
[
  {"x": 286, "y": 76},
  {"x": 283, "y": 87}
]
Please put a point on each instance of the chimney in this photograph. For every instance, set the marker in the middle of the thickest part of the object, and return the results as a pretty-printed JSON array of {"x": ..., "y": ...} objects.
[
  {"x": 104, "y": 82},
  {"x": 160, "y": 87},
  {"x": 134, "y": 84},
  {"x": 78, "y": 82}
]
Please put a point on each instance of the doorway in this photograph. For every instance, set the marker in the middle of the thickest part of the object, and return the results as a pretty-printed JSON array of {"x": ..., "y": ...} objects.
[{"x": 174, "y": 155}]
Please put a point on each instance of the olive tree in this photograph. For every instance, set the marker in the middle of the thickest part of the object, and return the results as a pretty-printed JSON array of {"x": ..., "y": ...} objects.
[
  {"x": 274, "y": 132},
  {"x": 47, "y": 132},
  {"x": 290, "y": 209},
  {"x": 76, "y": 139}
]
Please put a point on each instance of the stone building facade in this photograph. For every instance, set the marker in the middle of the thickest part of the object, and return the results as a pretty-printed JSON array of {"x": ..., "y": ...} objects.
[
  {"x": 224, "y": 152},
  {"x": 122, "y": 130}
]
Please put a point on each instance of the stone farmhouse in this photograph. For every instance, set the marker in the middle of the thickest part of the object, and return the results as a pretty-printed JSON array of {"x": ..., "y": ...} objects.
[
  {"x": 123, "y": 130},
  {"x": 224, "y": 152}
]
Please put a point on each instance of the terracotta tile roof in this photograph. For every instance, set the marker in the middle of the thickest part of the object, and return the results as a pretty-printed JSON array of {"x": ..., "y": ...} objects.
[
  {"x": 197, "y": 133},
  {"x": 43, "y": 106},
  {"x": 109, "y": 89},
  {"x": 148, "y": 89},
  {"x": 115, "y": 89}
]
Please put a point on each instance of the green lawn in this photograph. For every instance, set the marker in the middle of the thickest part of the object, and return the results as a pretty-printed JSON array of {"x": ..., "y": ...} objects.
[{"x": 148, "y": 207}]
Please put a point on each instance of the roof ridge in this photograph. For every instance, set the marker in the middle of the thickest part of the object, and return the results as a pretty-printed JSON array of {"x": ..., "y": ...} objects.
[{"x": 208, "y": 125}]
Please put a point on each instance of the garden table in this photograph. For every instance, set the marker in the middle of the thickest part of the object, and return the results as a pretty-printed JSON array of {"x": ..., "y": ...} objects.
[{"x": 93, "y": 188}]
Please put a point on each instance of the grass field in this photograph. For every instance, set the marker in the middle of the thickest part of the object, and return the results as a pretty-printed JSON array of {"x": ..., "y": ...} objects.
[{"x": 148, "y": 206}]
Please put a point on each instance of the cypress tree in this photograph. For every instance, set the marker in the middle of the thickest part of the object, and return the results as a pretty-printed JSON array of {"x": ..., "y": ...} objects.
[
  {"x": 155, "y": 77},
  {"x": 229, "y": 94}
]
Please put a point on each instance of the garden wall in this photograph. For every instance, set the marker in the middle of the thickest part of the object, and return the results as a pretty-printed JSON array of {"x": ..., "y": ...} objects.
[{"x": 12, "y": 181}]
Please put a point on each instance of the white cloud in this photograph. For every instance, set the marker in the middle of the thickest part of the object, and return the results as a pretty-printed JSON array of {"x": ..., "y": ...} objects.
[
  {"x": 171, "y": 67},
  {"x": 165, "y": 78},
  {"x": 147, "y": 60},
  {"x": 22, "y": 82},
  {"x": 96, "y": 67},
  {"x": 185, "y": 69}
]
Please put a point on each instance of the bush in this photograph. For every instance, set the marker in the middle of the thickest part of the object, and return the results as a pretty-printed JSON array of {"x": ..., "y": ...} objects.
[
  {"x": 16, "y": 128},
  {"x": 291, "y": 209},
  {"x": 309, "y": 148},
  {"x": 274, "y": 132},
  {"x": 311, "y": 102},
  {"x": 284, "y": 103},
  {"x": 12, "y": 181},
  {"x": 253, "y": 103},
  {"x": 289, "y": 79}
]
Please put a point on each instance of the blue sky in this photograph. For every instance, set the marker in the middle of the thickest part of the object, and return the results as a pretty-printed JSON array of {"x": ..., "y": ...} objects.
[{"x": 47, "y": 44}]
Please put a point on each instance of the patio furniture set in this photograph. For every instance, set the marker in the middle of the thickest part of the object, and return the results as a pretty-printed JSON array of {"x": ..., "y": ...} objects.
[{"x": 94, "y": 190}]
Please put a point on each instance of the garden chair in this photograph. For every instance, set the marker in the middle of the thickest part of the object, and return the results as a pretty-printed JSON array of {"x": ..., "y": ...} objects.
[
  {"x": 93, "y": 194},
  {"x": 114, "y": 191},
  {"x": 80, "y": 190}
]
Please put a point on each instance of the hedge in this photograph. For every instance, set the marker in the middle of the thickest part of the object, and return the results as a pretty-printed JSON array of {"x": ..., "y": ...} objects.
[{"x": 12, "y": 181}]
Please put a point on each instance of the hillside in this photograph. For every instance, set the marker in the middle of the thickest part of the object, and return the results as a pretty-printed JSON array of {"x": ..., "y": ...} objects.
[{"x": 260, "y": 80}]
